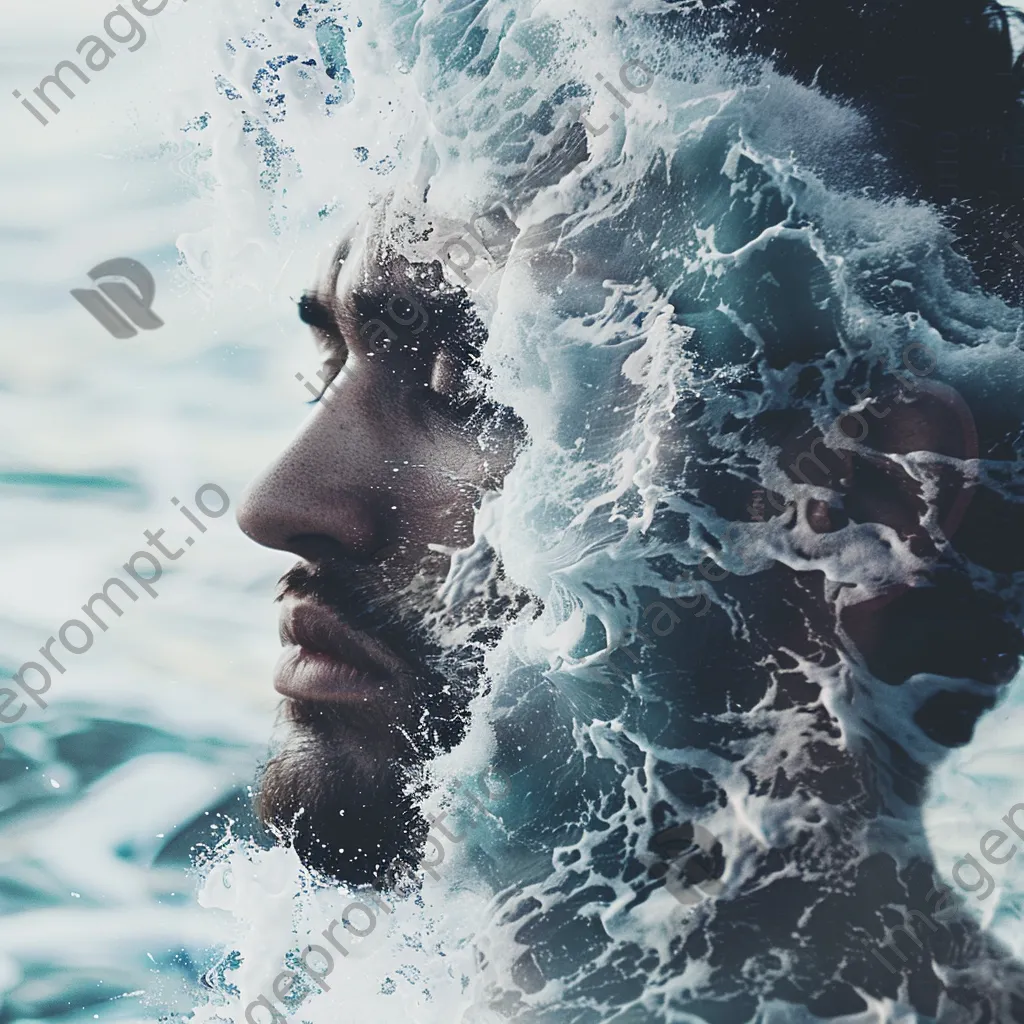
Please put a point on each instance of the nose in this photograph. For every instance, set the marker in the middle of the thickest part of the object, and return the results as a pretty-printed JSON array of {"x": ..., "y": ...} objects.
[{"x": 328, "y": 488}]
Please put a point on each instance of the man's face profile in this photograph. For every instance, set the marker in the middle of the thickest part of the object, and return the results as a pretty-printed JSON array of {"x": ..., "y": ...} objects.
[
  {"x": 374, "y": 494},
  {"x": 720, "y": 392}
]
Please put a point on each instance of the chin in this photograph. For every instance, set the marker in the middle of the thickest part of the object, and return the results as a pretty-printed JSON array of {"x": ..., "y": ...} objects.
[{"x": 341, "y": 789}]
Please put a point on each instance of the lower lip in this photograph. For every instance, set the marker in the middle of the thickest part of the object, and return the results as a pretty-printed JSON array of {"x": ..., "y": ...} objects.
[{"x": 302, "y": 674}]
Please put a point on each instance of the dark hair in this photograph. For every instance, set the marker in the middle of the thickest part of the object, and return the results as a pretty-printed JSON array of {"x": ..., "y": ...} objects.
[{"x": 939, "y": 82}]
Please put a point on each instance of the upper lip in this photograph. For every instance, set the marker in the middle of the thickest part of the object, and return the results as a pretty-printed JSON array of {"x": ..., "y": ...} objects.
[{"x": 315, "y": 628}]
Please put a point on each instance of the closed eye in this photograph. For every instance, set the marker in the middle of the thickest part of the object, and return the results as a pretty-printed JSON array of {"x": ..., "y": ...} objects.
[
  {"x": 321, "y": 316},
  {"x": 318, "y": 314}
]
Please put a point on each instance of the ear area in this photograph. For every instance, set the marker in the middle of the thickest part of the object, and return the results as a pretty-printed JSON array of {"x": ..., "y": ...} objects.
[
  {"x": 897, "y": 459},
  {"x": 943, "y": 628},
  {"x": 926, "y": 417}
]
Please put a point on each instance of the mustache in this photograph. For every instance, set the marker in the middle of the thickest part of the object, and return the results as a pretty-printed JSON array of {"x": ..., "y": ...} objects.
[
  {"x": 353, "y": 593},
  {"x": 443, "y": 678},
  {"x": 410, "y": 618}
]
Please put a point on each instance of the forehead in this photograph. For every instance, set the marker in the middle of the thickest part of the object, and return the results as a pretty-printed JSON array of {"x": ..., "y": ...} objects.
[
  {"x": 370, "y": 265},
  {"x": 469, "y": 252},
  {"x": 376, "y": 296},
  {"x": 389, "y": 231}
]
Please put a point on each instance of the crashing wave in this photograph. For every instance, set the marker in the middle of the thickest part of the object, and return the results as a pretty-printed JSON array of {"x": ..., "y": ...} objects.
[{"x": 693, "y": 275}]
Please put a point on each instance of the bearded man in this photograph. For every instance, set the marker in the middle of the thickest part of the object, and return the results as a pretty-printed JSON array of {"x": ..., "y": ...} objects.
[{"x": 703, "y": 495}]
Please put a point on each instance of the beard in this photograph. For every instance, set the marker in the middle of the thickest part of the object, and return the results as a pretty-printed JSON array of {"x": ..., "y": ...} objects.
[
  {"x": 345, "y": 784},
  {"x": 344, "y": 790}
]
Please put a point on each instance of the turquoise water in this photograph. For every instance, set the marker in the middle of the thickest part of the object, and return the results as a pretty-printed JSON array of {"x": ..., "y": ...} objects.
[
  {"x": 103, "y": 809},
  {"x": 151, "y": 737}
]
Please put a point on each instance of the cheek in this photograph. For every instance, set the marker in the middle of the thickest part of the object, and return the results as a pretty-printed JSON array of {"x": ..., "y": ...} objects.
[
  {"x": 431, "y": 470},
  {"x": 480, "y": 461},
  {"x": 453, "y": 473},
  {"x": 446, "y": 375},
  {"x": 430, "y": 488}
]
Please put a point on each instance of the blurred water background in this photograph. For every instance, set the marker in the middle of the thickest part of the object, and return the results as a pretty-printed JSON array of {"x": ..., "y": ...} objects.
[{"x": 151, "y": 738}]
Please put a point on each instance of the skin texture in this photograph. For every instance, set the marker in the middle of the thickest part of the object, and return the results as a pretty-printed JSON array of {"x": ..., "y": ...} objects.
[{"x": 373, "y": 494}]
